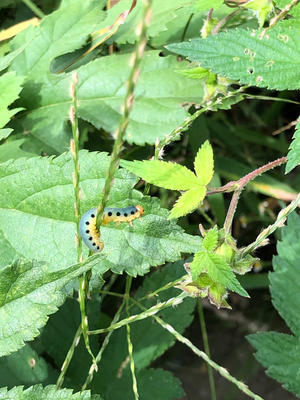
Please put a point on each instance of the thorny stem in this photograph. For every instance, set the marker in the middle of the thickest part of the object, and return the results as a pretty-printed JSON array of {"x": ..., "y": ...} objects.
[
  {"x": 30, "y": 4},
  {"x": 242, "y": 182},
  {"x": 280, "y": 16},
  {"x": 135, "y": 61},
  {"x": 206, "y": 348},
  {"x": 281, "y": 218},
  {"x": 129, "y": 342},
  {"x": 231, "y": 210},
  {"x": 222, "y": 371},
  {"x": 138, "y": 317},
  {"x": 68, "y": 358},
  {"x": 74, "y": 146}
]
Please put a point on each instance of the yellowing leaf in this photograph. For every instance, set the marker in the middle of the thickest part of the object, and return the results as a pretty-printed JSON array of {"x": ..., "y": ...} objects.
[
  {"x": 165, "y": 174},
  {"x": 204, "y": 163},
  {"x": 188, "y": 202}
]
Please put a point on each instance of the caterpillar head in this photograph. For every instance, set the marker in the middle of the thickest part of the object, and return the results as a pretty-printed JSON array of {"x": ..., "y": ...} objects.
[{"x": 140, "y": 210}]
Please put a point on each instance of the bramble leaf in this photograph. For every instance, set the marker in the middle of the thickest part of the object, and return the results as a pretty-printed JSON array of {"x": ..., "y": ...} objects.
[
  {"x": 37, "y": 202},
  {"x": 210, "y": 240},
  {"x": 204, "y": 163},
  {"x": 188, "y": 201},
  {"x": 10, "y": 87},
  {"x": 278, "y": 352},
  {"x": 294, "y": 151},
  {"x": 29, "y": 293},
  {"x": 45, "y": 393},
  {"x": 250, "y": 58},
  {"x": 161, "y": 173}
]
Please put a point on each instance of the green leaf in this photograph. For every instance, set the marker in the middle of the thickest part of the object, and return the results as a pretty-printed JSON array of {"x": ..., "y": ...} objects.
[
  {"x": 157, "y": 108},
  {"x": 210, "y": 240},
  {"x": 4, "y": 133},
  {"x": 204, "y": 163},
  {"x": 6, "y": 60},
  {"x": 206, "y": 5},
  {"x": 261, "y": 8},
  {"x": 277, "y": 352},
  {"x": 250, "y": 59},
  {"x": 149, "y": 339},
  {"x": 37, "y": 194},
  {"x": 29, "y": 292},
  {"x": 10, "y": 87},
  {"x": 188, "y": 202},
  {"x": 161, "y": 173},
  {"x": 11, "y": 149},
  {"x": 294, "y": 153},
  {"x": 217, "y": 269},
  {"x": 45, "y": 393},
  {"x": 25, "y": 367}
]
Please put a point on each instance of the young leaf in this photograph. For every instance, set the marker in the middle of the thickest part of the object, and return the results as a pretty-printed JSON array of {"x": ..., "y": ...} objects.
[
  {"x": 29, "y": 293},
  {"x": 279, "y": 353},
  {"x": 188, "y": 202},
  {"x": 37, "y": 196},
  {"x": 294, "y": 153},
  {"x": 45, "y": 393},
  {"x": 204, "y": 163},
  {"x": 250, "y": 58},
  {"x": 10, "y": 87},
  {"x": 198, "y": 264},
  {"x": 210, "y": 240},
  {"x": 161, "y": 173}
]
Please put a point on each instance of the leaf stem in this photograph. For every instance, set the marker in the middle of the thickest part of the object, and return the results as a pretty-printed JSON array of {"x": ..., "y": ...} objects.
[
  {"x": 206, "y": 348},
  {"x": 280, "y": 16},
  {"x": 135, "y": 61},
  {"x": 30, "y": 4},
  {"x": 222, "y": 371}
]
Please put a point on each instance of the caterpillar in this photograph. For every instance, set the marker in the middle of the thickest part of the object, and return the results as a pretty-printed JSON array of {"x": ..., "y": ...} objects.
[{"x": 88, "y": 229}]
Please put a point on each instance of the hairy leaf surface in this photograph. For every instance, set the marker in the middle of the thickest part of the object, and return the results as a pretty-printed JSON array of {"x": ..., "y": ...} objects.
[
  {"x": 294, "y": 153},
  {"x": 38, "y": 392},
  {"x": 250, "y": 58}
]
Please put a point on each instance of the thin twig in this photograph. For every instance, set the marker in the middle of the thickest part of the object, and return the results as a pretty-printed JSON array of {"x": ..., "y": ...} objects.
[
  {"x": 135, "y": 61},
  {"x": 280, "y": 16},
  {"x": 231, "y": 210},
  {"x": 222, "y": 371},
  {"x": 285, "y": 128},
  {"x": 30, "y": 4},
  {"x": 223, "y": 22}
]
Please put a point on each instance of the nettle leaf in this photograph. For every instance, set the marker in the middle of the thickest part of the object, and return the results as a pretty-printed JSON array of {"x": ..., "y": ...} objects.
[
  {"x": 161, "y": 173},
  {"x": 25, "y": 367},
  {"x": 10, "y": 87},
  {"x": 157, "y": 108},
  {"x": 188, "y": 201},
  {"x": 38, "y": 392},
  {"x": 149, "y": 340},
  {"x": 204, "y": 163},
  {"x": 294, "y": 151},
  {"x": 29, "y": 293},
  {"x": 250, "y": 58},
  {"x": 37, "y": 202},
  {"x": 210, "y": 240},
  {"x": 6, "y": 60},
  {"x": 61, "y": 32},
  {"x": 277, "y": 352}
]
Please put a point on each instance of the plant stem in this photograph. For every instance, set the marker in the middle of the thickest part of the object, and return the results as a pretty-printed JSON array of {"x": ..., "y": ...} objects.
[
  {"x": 94, "y": 367},
  {"x": 30, "y": 4},
  {"x": 281, "y": 218},
  {"x": 206, "y": 348},
  {"x": 130, "y": 346},
  {"x": 186, "y": 27},
  {"x": 74, "y": 146},
  {"x": 138, "y": 317},
  {"x": 135, "y": 61},
  {"x": 165, "y": 287},
  {"x": 231, "y": 210},
  {"x": 222, "y": 371},
  {"x": 223, "y": 22},
  {"x": 280, "y": 16},
  {"x": 68, "y": 358}
]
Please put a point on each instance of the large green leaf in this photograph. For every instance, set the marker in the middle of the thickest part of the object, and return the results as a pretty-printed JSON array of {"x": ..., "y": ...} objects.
[
  {"x": 245, "y": 56},
  {"x": 29, "y": 292},
  {"x": 280, "y": 353},
  {"x": 294, "y": 153},
  {"x": 37, "y": 203},
  {"x": 149, "y": 339},
  {"x": 157, "y": 109},
  {"x": 25, "y": 367},
  {"x": 37, "y": 392}
]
